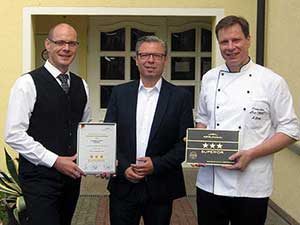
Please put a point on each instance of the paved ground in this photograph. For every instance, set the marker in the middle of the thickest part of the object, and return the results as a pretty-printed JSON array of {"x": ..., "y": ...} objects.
[{"x": 92, "y": 208}]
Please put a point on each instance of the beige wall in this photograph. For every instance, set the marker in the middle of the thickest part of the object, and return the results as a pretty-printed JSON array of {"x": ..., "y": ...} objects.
[
  {"x": 282, "y": 47},
  {"x": 282, "y": 55}
]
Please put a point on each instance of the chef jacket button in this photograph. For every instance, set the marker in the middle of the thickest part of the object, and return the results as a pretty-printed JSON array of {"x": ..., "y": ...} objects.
[
  {"x": 240, "y": 127},
  {"x": 244, "y": 109},
  {"x": 219, "y": 89},
  {"x": 250, "y": 75},
  {"x": 218, "y": 107},
  {"x": 218, "y": 124},
  {"x": 248, "y": 92},
  {"x": 222, "y": 74}
]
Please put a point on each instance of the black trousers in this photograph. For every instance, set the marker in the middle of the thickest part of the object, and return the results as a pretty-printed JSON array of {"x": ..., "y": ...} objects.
[
  {"x": 137, "y": 204},
  {"x": 219, "y": 210},
  {"x": 50, "y": 200}
]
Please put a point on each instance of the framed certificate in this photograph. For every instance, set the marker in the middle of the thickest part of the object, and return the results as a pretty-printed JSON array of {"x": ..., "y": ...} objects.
[
  {"x": 96, "y": 147},
  {"x": 212, "y": 147}
]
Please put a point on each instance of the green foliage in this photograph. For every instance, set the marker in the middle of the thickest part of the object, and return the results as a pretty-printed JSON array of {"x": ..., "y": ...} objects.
[
  {"x": 10, "y": 187},
  {"x": 3, "y": 215}
]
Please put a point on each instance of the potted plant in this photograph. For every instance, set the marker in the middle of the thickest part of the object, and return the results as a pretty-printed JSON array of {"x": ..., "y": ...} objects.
[{"x": 13, "y": 200}]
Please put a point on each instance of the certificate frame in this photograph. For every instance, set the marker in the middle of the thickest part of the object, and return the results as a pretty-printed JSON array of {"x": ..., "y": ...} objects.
[
  {"x": 96, "y": 147},
  {"x": 212, "y": 147}
]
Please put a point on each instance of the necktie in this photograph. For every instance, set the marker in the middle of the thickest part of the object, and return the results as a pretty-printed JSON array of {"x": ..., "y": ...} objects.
[{"x": 64, "y": 82}]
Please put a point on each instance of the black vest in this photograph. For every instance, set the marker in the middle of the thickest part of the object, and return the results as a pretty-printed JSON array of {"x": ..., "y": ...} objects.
[{"x": 56, "y": 115}]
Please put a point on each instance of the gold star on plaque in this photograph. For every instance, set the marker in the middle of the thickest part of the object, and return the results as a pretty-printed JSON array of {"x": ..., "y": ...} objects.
[
  {"x": 212, "y": 145},
  {"x": 205, "y": 145}
]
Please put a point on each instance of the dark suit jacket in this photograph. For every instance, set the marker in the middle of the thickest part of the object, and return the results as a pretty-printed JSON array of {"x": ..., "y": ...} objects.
[{"x": 166, "y": 148}]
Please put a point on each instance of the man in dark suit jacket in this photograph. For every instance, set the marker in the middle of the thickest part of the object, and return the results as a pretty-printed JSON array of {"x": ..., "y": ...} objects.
[{"x": 152, "y": 116}]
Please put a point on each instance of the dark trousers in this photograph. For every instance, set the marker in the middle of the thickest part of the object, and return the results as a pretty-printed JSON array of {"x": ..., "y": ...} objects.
[
  {"x": 219, "y": 210},
  {"x": 137, "y": 204},
  {"x": 50, "y": 200}
]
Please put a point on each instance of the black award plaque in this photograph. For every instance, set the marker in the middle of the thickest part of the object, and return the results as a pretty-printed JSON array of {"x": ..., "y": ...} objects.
[{"x": 212, "y": 147}]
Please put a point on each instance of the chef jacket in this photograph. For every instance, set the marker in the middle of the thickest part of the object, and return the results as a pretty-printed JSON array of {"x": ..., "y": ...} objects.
[{"x": 257, "y": 102}]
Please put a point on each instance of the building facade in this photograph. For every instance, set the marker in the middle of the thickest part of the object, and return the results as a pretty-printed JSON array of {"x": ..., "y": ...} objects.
[{"x": 108, "y": 31}]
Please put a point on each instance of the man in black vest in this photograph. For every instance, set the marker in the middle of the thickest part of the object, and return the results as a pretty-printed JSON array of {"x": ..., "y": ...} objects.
[{"x": 44, "y": 110}]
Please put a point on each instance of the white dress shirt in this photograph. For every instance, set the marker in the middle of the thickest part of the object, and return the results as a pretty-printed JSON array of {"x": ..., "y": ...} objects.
[
  {"x": 20, "y": 107},
  {"x": 257, "y": 102},
  {"x": 146, "y": 106}
]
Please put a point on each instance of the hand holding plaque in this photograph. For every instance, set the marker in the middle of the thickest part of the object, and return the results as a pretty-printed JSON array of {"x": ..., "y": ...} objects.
[{"x": 96, "y": 147}]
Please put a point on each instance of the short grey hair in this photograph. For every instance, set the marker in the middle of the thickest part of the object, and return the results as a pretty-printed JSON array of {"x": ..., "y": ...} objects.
[{"x": 150, "y": 38}]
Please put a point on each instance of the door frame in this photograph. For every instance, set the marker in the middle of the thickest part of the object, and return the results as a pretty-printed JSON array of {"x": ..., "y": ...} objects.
[{"x": 29, "y": 12}]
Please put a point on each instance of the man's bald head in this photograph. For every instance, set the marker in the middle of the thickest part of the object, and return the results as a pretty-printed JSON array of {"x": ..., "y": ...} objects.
[{"x": 60, "y": 26}]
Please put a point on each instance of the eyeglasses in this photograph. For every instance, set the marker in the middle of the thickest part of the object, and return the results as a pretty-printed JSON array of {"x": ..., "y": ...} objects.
[
  {"x": 155, "y": 56},
  {"x": 62, "y": 43}
]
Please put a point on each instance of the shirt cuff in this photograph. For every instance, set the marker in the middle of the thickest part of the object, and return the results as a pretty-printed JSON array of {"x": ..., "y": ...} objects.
[
  {"x": 49, "y": 159},
  {"x": 200, "y": 120}
]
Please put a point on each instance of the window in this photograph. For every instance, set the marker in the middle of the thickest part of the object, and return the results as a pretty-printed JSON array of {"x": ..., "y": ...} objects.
[
  {"x": 112, "y": 49},
  {"x": 190, "y": 56},
  {"x": 112, "y": 66}
]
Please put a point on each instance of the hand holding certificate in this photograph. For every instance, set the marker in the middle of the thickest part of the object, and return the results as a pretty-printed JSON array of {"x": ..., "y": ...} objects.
[
  {"x": 96, "y": 147},
  {"x": 211, "y": 147}
]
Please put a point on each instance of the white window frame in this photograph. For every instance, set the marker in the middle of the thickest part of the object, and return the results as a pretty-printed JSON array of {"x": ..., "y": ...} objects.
[
  {"x": 197, "y": 54},
  {"x": 28, "y": 12},
  {"x": 101, "y": 25}
]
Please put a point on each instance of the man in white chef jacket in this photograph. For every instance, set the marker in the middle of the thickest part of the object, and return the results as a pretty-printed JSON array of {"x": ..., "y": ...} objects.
[{"x": 241, "y": 95}]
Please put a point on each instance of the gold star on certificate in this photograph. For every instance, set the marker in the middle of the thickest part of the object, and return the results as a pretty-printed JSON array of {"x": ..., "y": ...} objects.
[
  {"x": 219, "y": 145},
  {"x": 205, "y": 145},
  {"x": 212, "y": 145}
]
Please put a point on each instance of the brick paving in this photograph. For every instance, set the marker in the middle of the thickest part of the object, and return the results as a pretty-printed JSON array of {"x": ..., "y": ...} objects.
[
  {"x": 92, "y": 207},
  {"x": 183, "y": 213},
  {"x": 93, "y": 210},
  {"x": 103, "y": 212},
  {"x": 86, "y": 210}
]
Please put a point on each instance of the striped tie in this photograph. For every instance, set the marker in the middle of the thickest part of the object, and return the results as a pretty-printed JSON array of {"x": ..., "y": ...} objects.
[{"x": 64, "y": 82}]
